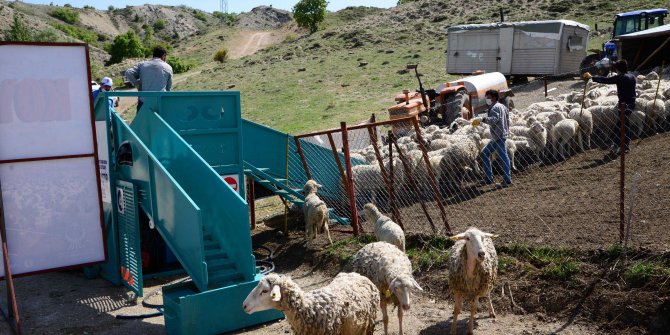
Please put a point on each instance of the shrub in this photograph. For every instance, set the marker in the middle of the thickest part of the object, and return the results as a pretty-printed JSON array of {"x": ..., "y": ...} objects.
[
  {"x": 77, "y": 32},
  {"x": 89, "y": 7},
  {"x": 200, "y": 16},
  {"x": 125, "y": 46},
  {"x": 159, "y": 24},
  {"x": 309, "y": 13},
  {"x": 110, "y": 8},
  {"x": 67, "y": 15},
  {"x": 221, "y": 55},
  {"x": 179, "y": 65},
  {"x": 229, "y": 19},
  {"x": 18, "y": 31}
]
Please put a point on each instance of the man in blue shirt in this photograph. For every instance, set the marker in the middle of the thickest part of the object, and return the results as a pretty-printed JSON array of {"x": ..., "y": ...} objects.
[
  {"x": 498, "y": 120},
  {"x": 625, "y": 86},
  {"x": 106, "y": 85}
]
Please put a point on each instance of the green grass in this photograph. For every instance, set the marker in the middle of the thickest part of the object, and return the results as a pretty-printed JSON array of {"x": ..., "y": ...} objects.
[
  {"x": 344, "y": 249},
  {"x": 641, "y": 273},
  {"x": 552, "y": 262}
]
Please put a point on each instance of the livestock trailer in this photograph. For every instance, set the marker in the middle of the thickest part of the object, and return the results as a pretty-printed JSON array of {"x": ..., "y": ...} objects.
[{"x": 533, "y": 48}]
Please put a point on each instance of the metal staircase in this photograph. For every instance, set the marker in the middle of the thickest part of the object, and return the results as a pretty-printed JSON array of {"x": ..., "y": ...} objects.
[{"x": 280, "y": 187}]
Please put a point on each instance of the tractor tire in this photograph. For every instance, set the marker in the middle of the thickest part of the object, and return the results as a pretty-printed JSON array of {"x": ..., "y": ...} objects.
[
  {"x": 453, "y": 104},
  {"x": 588, "y": 64}
]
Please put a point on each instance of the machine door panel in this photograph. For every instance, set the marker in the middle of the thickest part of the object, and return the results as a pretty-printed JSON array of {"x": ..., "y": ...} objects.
[{"x": 129, "y": 237}]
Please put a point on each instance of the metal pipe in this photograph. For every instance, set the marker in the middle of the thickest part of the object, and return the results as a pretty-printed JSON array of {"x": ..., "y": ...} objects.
[
  {"x": 251, "y": 199},
  {"x": 337, "y": 158},
  {"x": 545, "y": 86},
  {"x": 350, "y": 181},
  {"x": 431, "y": 176},
  {"x": 394, "y": 206},
  {"x": 622, "y": 169},
  {"x": 412, "y": 182},
  {"x": 354, "y": 127},
  {"x": 302, "y": 157}
]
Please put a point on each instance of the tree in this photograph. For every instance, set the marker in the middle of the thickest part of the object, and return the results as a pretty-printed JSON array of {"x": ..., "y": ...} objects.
[
  {"x": 18, "y": 31},
  {"x": 309, "y": 13},
  {"x": 125, "y": 46}
]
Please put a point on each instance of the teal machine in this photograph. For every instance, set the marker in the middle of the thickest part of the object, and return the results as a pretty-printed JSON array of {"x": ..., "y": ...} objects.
[{"x": 164, "y": 173}]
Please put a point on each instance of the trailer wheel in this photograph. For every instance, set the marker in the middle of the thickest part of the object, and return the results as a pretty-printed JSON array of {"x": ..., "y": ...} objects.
[{"x": 454, "y": 103}]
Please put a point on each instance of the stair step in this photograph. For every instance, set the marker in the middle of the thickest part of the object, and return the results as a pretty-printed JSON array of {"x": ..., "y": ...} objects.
[
  {"x": 225, "y": 275},
  {"x": 214, "y": 253},
  {"x": 281, "y": 192},
  {"x": 211, "y": 244},
  {"x": 219, "y": 264}
]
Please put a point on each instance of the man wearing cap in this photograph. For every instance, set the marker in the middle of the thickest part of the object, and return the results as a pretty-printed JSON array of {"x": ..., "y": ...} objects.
[
  {"x": 106, "y": 85},
  {"x": 151, "y": 75}
]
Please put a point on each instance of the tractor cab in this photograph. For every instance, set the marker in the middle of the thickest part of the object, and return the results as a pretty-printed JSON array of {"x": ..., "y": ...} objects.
[{"x": 630, "y": 22}]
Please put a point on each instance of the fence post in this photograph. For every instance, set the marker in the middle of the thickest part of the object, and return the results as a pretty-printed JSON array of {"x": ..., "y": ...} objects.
[
  {"x": 545, "y": 86},
  {"x": 394, "y": 207},
  {"x": 622, "y": 172},
  {"x": 413, "y": 184},
  {"x": 302, "y": 157},
  {"x": 431, "y": 176},
  {"x": 12, "y": 315},
  {"x": 337, "y": 158},
  {"x": 350, "y": 179},
  {"x": 251, "y": 199}
]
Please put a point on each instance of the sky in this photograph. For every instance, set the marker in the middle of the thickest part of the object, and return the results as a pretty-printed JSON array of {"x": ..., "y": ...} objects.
[{"x": 234, "y": 6}]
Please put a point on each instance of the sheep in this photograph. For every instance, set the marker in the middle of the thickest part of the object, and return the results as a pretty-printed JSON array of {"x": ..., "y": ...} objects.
[
  {"x": 346, "y": 306},
  {"x": 585, "y": 120},
  {"x": 655, "y": 112},
  {"x": 564, "y": 133},
  {"x": 510, "y": 146},
  {"x": 472, "y": 270},
  {"x": 391, "y": 271},
  {"x": 316, "y": 212},
  {"x": 604, "y": 119},
  {"x": 460, "y": 158},
  {"x": 385, "y": 229},
  {"x": 531, "y": 139}
]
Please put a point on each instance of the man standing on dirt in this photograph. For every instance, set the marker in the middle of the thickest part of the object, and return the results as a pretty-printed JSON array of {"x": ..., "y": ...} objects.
[
  {"x": 625, "y": 86},
  {"x": 498, "y": 120},
  {"x": 151, "y": 75}
]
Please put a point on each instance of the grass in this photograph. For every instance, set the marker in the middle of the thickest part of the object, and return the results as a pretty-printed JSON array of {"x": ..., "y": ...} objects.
[
  {"x": 643, "y": 272},
  {"x": 344, "y": 249},
  {"x": 552, "y": 262}
]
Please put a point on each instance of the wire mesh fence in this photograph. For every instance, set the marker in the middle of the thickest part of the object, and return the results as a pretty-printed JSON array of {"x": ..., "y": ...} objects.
[{"x": 566, "y": 171}]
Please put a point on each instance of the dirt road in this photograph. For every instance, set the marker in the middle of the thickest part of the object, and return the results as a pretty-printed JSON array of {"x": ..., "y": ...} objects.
[{"x": 249, "y": 42}]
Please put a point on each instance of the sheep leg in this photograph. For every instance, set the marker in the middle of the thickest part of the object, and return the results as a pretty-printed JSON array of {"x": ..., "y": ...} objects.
[
  {"x": 492, "y": 312},
  {"x": 385, "y": 316},
  {"x": 458, "y": 300},
  {"x": 400, "y": 320},
  {"x": 325, "y": 227},
  {"x": 473, "y": 312}
]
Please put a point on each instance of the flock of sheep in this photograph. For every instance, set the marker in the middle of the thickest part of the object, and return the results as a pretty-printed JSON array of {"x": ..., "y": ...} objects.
[
  {"x": 381, "y": 272},
  {"x": 546, "y": 131}
]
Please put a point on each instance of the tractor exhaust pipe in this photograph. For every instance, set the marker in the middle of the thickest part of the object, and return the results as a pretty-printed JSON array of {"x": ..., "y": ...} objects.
[{"x": 421, "y": 90}]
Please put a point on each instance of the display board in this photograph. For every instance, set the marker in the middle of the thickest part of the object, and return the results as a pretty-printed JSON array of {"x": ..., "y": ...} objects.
[{"x": 48, "y": 159}]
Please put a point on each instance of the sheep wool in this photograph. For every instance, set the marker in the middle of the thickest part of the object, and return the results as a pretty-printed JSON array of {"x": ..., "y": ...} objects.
[
  {"x": 385, "y": 229},
  {"x": 316, "y": 212},
  {"x": 348, "y": 305}
]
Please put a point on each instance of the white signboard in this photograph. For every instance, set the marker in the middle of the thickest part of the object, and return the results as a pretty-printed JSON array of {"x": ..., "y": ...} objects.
[{"x": 48, "y": 166}]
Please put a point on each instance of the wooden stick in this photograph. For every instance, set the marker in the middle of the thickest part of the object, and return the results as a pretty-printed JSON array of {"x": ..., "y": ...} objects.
[
  {"x": 350, "y": 181},
  {"x": 394, "y": 206}
]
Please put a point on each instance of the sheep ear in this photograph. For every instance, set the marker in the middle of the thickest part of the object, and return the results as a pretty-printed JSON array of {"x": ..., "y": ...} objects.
[
  {"x": 457, "y": 237},
  {"x": 275, "y": 293},
  {"x": 319, "y": 185},
  {"x": 416, "y": 285}
]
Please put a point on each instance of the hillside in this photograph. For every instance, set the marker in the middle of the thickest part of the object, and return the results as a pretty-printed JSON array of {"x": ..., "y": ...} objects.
[{"x": 355, "y": 64}]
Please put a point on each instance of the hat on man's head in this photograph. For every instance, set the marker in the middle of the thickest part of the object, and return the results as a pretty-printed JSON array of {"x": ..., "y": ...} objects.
[{"x": 107, "y": 81}]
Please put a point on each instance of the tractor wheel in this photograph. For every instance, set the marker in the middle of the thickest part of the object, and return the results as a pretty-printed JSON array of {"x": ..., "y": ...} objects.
[{"x": 454, "y": 103}]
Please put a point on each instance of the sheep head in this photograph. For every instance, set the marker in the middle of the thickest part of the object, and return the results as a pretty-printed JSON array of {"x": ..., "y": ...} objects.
[
  {"x": 311, "y": 187},
  {"x": 474, "y": 247},
  {"x": 401, "y": 286},
  {"x": 266, "y": 295},
  {"x": 371, "y": 212}
]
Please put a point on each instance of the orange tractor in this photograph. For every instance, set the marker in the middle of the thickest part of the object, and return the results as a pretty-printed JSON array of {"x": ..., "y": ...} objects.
[{"x": 462, "y": 98}]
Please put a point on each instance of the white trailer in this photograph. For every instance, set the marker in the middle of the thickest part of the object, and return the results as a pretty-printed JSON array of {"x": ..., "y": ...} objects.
[{"x": 534, "y": 48}]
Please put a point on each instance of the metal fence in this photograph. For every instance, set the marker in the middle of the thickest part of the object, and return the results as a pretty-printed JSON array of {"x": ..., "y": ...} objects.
[{"x": 568, "y": 189}]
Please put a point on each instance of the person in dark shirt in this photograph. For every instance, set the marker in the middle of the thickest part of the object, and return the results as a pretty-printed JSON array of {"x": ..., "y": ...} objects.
[{"x": 625, "y": 85}]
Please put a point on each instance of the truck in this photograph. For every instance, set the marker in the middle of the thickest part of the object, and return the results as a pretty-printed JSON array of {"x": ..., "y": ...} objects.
[
  {"x": 517, "y": 49},
  {"x": 599, "y": 61}
]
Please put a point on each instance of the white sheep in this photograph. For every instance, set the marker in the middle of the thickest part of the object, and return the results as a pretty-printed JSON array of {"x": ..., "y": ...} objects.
[
  {"x": 585, "y": 120},
  {"x": 460, "y": 158},
  {"x": 565, "y": 133},
  {"x": 655, "y": 112},
  {"x": 348, "y": 305},
  {"x": 385, "y": 229},
  {"x": 316, "y": 212},
  {"x": 531, "y": 139},
  {"x": 472, "y": 270},
  {"x": 391, "y": 271}
]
